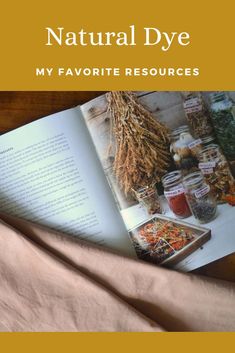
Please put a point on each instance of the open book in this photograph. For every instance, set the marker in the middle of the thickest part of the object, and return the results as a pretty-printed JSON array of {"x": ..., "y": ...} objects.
[{"x": 55, "y": 171}]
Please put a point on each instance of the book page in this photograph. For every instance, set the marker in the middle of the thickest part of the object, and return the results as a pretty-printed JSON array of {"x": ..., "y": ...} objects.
[
  {"x": 166, "y": 108},
  {"x": 50, "y": 174}
]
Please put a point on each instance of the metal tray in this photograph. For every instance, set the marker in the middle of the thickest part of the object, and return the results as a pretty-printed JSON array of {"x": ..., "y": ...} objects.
[{"x": 201, "y": 234}]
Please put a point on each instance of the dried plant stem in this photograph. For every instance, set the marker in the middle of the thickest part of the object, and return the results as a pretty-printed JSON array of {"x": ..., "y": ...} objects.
[{"x": 140, "y": 142}]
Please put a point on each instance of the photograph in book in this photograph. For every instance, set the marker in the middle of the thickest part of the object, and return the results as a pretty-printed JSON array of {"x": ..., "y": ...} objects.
[{"x": 169, "y": 158}]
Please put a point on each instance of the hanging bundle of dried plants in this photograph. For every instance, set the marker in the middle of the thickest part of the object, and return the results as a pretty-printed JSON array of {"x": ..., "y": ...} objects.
[{"x": 139, "y": 141}]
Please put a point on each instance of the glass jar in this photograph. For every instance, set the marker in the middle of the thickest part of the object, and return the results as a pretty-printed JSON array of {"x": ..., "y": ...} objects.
[
  {"x": 201, "y": 200},
  {"x": 174, "y": 193},
  {"x": 184, "y": 149},
  {"x": 195, "y": 147},
  {"x": 216, "y": 171},
  {"x": 223, "y": 119},
  {"x": 206, "y": 141},
  {"x": 198, "y": 116},
  {"x": 149, "y": 199}
]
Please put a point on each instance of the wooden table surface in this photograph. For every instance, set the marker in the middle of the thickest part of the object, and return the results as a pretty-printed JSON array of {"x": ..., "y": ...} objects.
[{"x": 18, "y": 108}]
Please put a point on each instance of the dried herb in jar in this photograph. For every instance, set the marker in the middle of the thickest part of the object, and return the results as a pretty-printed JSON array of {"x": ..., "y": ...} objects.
[
  {"x": 149, "y": 199},
  {"x": 175, "y": 195},
  {"x": 200, "y": 198},
  {"x": 198, "y": 116},
  {"x": 184, "y": 149},
  {"x": 215, "y": 169},
  {"x": 224, "y": 123}
]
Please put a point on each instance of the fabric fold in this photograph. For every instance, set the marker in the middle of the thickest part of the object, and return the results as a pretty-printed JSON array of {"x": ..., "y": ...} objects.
[{"x": 53, "y": 282}]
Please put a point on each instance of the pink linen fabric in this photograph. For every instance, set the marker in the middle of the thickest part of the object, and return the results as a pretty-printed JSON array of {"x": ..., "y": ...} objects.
[{"x": 53, "y": 282}]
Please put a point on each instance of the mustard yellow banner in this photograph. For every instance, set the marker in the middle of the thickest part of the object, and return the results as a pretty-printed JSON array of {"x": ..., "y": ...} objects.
[
  {"x": 107, "y": 45},
  {"x": 117, "y": 342}
]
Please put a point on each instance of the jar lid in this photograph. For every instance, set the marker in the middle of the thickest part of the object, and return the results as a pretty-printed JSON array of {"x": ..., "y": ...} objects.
[
  {"x": 220, "y": 101},
  {"x": 210, "y": 148},
  {"x": 193, "y": 179},
  {"x": 207, "y": 139},
  {"x": 182, "y": 128},
  {"x": 170, "y": 179},
  {"x": 145, "y": 191},
  {"x": 218, "y": 96},
  {"x": 211, "y": 152},
  {"x": 176, "y": 132}
]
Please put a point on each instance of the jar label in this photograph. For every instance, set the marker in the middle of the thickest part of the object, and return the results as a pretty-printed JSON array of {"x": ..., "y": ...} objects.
[
  {"x": 191, "y": 102},
  {"x": 202, "y": 191},
  {"x": 193, "y": 105},
  {"x": 195, "y": 143},
  {"x": 207, "y": 165},
  {"x": 174, "y": 192},
  {"x": 207, "y": 171},
  {"x": 193, "y": 109}
]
